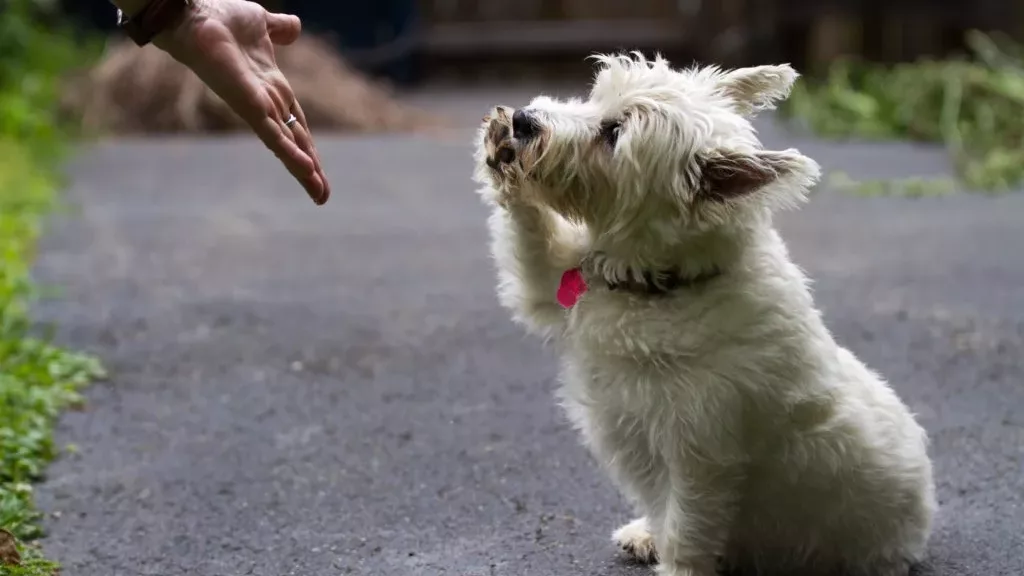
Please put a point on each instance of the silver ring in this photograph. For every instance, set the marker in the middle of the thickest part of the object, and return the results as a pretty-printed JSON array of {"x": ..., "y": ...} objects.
[{"x": 291, "y": 120}]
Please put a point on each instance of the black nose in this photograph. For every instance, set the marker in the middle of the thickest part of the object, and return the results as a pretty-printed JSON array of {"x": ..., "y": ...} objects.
[{"x": 524, "y": 125}]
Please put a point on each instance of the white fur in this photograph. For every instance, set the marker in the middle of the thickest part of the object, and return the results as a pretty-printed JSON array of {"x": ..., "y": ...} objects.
[{"x": 726, "y": 411}]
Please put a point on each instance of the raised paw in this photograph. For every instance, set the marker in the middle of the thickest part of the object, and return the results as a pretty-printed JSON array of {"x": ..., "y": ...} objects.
[
  {"x": 498, "y": 141},
  {"x": 636, "y": 540}
]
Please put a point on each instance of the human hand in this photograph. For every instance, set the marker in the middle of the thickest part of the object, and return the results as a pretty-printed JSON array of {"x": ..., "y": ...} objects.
[{"x": 229, "y": 44}]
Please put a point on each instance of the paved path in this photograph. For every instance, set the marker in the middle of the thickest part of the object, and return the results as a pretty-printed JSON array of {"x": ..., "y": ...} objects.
[{"x": 335, "y": 391}]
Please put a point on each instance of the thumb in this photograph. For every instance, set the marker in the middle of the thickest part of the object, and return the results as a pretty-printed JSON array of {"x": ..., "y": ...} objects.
[{"x": 283, "y": 28}]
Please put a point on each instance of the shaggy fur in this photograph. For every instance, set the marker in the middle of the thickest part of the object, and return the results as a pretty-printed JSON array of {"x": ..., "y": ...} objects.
[{"x": 745, "y": 435}]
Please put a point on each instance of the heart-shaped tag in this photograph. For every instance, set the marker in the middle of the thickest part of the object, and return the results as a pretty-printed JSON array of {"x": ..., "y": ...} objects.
[{"x": 572, "y": 287}]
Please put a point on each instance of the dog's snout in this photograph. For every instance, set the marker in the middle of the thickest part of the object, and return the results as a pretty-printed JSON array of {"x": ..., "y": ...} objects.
[{"x": 524, "y": 124}]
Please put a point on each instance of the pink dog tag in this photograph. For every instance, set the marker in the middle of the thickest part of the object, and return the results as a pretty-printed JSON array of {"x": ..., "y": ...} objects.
[{"x": 571, "y": 288}]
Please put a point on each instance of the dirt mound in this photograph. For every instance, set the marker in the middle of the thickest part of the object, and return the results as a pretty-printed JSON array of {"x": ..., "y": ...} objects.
[{"x": 136, "y": 90}]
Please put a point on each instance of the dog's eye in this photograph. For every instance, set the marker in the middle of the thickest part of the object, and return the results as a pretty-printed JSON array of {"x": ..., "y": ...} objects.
[{"x": 610, "y": 131}]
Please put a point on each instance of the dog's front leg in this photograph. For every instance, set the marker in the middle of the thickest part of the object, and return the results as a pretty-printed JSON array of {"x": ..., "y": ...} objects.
[
  {"x": 532, "y": 247},
  {"x": 699, "y": 510}
]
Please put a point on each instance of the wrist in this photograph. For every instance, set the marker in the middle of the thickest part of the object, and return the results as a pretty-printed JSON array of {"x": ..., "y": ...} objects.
[
  {"x": 154, "y": 21},
  {"x": 171, "y": 39},
  {"x": 130, "y": 7}
]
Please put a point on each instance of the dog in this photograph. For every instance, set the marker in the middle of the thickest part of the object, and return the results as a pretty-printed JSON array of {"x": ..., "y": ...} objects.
[{"x": 633, "y": 229}]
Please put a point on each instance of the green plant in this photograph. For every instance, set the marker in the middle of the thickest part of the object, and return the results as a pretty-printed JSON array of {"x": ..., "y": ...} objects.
[
  {"x": 37, "y": 51},
  {"x": 972, "y": 105},
  {"x": 37, "y": 379}
]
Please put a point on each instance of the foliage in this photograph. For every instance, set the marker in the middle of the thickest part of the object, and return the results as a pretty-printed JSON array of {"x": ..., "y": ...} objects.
[
  {"x": 972, "y": 105},
  {"x": 914, "y": 187},
  {"x": 37, "y": 379},
  {"x": 35, "y": 54}
]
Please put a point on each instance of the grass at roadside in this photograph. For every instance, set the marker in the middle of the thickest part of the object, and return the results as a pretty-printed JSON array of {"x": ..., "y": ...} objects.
[
  {"x": 37, "y": 379},
  {"x": 971, "y": 105}
]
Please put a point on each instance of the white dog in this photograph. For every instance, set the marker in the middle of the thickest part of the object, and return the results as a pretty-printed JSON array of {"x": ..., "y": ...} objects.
[{"x": 634, "y": 228}]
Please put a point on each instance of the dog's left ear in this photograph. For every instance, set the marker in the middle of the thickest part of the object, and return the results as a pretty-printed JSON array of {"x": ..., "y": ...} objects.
[
  {"x": 782, "y": 176},
  {"x": 759, "y": 87}
]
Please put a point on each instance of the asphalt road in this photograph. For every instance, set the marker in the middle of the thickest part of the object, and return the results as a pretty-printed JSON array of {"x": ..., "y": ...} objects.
[{"x": 323, "y": 391}]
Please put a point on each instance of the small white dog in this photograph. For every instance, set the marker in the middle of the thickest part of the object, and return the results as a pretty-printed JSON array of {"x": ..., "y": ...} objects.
[{"x": 635, "y": 229}]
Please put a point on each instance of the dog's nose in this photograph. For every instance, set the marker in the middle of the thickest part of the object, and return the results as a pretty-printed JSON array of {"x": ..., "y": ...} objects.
[{"x": 524, "y": 125}]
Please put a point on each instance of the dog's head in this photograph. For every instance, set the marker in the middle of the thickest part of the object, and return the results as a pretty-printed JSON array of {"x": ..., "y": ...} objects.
[{"x": 652, "y": 151}]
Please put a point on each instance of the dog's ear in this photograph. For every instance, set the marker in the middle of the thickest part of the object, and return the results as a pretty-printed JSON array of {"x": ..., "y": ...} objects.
[
  {"x": 759, "y": 87},
  {"x": 783, "y": 176}
]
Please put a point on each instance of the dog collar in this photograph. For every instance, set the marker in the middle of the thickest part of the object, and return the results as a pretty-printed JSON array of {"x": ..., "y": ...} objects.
[{"x": 573, "y": 285}]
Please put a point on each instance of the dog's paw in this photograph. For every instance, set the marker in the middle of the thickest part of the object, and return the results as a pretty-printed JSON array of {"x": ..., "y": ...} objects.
[
  {"x": 498, "y": 145},
  {"x": 636, "y": 540}
]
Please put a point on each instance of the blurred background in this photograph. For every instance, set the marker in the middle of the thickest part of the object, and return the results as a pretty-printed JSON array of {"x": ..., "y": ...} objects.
[
  {"x": 872, "y": 69},
  {"x": 415, "y": 41}
]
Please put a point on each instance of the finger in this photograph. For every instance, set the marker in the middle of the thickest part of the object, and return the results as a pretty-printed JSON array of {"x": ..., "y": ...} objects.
[
  {"x": 310, "y": 148},
  {"x": 278, "y": 139},
  {"x": 304, "y": 143},
  {"x": 284, "y": 99},
  {"x": 300, "y": 134},
  {"x": 283, "y": 28}
]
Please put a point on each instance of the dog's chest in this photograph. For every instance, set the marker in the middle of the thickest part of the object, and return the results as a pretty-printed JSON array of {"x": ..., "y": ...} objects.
[
  {"x": 637, "y": 356},
  {"x": 618, "y": 370},
  {"x": 644, "y": 330},
  {"x": 615, "y": 403}
]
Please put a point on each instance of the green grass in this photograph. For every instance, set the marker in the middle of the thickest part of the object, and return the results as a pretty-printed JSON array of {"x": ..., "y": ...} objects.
[
  {"x": 972, "y": 105},
  {"x": 37, "y": 379}
]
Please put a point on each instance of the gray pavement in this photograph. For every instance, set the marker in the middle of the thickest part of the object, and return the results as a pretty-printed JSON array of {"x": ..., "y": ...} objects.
[{"x": 304, "y": 391}]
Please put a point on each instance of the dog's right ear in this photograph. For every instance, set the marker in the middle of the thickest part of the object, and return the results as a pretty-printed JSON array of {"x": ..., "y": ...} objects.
[
  {"x": 759, "y": 87},
  {"x": 782, "y": 177}
]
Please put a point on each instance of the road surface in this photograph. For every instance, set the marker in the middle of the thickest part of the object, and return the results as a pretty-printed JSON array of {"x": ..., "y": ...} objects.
[{"x": 326, "y": 391}]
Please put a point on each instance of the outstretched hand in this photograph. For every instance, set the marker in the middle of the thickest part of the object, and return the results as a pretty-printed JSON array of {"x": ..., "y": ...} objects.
[{"x": 229, "y": 44}]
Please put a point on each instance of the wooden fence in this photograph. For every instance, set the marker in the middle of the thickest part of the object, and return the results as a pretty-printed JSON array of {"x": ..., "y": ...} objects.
[
  {"x": 808, "y": 33},
  {"x": 545, "y": 27}
]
